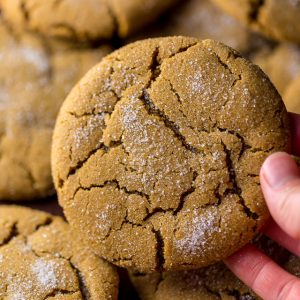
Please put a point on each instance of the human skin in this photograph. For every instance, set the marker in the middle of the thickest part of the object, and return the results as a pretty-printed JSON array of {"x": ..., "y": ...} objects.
[{"x": 280, "y": 181}]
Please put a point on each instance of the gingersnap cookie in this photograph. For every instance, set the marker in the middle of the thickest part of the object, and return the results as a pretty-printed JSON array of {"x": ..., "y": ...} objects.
[
  {"x": 216, "y": 282},
  {"x": 82, "y": 20},
  {"x": 213, "y": 282},
  {"x": 281, "y": 64},
  {"x": 292, "y": 96},
  {"x": 157, "y": 151},
  {"x": 204, "y": 20},
  {"x": 34, "y": 80},
  {"x": 42, "y": 258},
  {"x": 278, "y": 19}
]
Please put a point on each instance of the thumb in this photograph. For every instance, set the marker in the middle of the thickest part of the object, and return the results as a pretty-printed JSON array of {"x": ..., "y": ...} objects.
[{"x": 280, "y": 181}]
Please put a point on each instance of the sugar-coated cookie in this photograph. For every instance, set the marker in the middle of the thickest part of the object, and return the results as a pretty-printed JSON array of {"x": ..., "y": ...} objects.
[{"x": 157, "y": 151}]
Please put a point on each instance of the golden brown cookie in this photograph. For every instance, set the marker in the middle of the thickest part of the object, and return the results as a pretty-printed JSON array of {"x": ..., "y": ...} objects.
[
  {"x": 281, "y": 64},
  {"x": 216, "y": 282},
  {"x": 82, "y": 20},
  {"x": 34, "y": 80},
  {"x": 204, "y": 20},
  {"x": 157, "y": 151},
  {"x": 278, "y": 19},
  {"x": 42, "y": 258},
  {"x": 292, "y": 96}
]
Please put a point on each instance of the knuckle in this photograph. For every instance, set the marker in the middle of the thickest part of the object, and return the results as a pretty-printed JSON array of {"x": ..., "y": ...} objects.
[{"x": 290, "y": 290}]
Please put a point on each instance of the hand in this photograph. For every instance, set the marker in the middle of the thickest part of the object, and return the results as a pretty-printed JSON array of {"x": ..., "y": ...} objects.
[{"x": 280, "y": 181}]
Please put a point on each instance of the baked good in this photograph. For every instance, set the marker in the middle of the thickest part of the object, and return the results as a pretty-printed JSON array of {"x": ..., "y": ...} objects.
[
  {"x": 83, "y": 20},
  {"x": 156, "y": 153},
  {"x": 34, "y": 80},
  {"x": 278, "y": 19},
  {"x": 204, "y": 20},
  {"x": 216, "y": 282},
  {"x": 292, "y": 96},
  {"x": 281, "y": 64},
  {"x": 42, "y": 258}
]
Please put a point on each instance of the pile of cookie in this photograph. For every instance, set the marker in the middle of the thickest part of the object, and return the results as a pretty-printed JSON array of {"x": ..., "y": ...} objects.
[{"x": 152, "y": 147}]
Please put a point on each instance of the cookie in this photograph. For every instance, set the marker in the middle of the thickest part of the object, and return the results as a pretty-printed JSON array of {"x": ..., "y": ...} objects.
[
  {"x": 82, "y": 20},
  {"x": 34, "y": 80},
  {"x": 278, "y": 19},
  {"x": 156, "y": 153},
  {"x": 41, "y": 257},
  {"x": 292, "y": 96},
  {"x": 281, "y": 64},
  {"x": 216, "y": 282}
]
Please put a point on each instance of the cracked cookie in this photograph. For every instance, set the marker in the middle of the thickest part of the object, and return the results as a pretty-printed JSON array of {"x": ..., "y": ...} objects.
[
  {"x": 216, "y": 282},
  {"x": 204, "y": 20},
  {"x": 278, "y": 19},
  {"x": 156, "y": 153},
  {"x": 82, "y": 20},
  {"x": 34, "y": 80},
  {"x": 42, "y": 258},
  {"x": 281, "y": 64}
]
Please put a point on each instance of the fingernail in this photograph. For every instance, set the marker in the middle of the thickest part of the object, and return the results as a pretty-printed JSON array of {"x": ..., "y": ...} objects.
[{"x": 279, "y": 169}]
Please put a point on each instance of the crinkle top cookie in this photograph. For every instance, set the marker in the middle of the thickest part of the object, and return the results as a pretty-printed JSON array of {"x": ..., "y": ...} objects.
[
  {"x": 34, "y": 80},
  {"x": 157, "y": 151},
  {"x": 82, "y": 20},
  {"x": 278, "y": 19},
  {"x": 42, "y": 258}
]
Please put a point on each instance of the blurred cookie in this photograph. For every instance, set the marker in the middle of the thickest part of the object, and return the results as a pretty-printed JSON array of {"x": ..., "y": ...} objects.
[
  {"x": 282, "y": 64},
  {"x": 216, "y": 282},
  {"x": 278, "y": 19},
  {"x": 157, "y": 152},
  {"x": 34, "y": 80},
  {"x": 204, "y": 20},
  {"x": 82, "y": 20},
  {"x": 292, "y": 96},
  {"x": 40, "y": 257}
]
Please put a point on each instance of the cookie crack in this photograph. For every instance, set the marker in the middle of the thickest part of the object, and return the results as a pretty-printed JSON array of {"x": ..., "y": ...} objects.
[
  {"x": 236, "y": 190},
  {"x": 82, "y": 285},
  {"x": 115, "y": 183},
  {"x": 59, "y": 292},
  {"x": 14, "y": 232},
  {"x": 225, "y": 64},
  {"x": 255, "y": 8},
  {"x": 245, "y": 146},
  {"x": 160, "y": 245},
  {"x": 153, "y": 110},
  {"x": 24, "y": 11}
]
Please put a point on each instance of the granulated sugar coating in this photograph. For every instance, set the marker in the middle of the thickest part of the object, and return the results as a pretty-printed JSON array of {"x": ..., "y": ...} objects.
[
  {"x": 216, "y": 282},
  {"x": 35, "y": 78},
  {"x": 79, "y": 20},
  {"x": 169, "y": 179},
  {"x": 41, "y": 258}
]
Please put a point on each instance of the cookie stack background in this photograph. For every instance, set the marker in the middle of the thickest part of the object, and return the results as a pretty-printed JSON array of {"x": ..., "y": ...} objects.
[{"x": 45, "y": 49}]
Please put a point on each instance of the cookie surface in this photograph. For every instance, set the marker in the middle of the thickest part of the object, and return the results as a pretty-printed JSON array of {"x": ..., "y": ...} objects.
[
  {"x": 216, "y": 282},
  {"x": 278, "y": 19},
  {"x": 40, "y": 257},
  {"x": 34, "y": 80},
  {"x": 79, "y": 20},
  {"x": 157, "y": 151}
]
